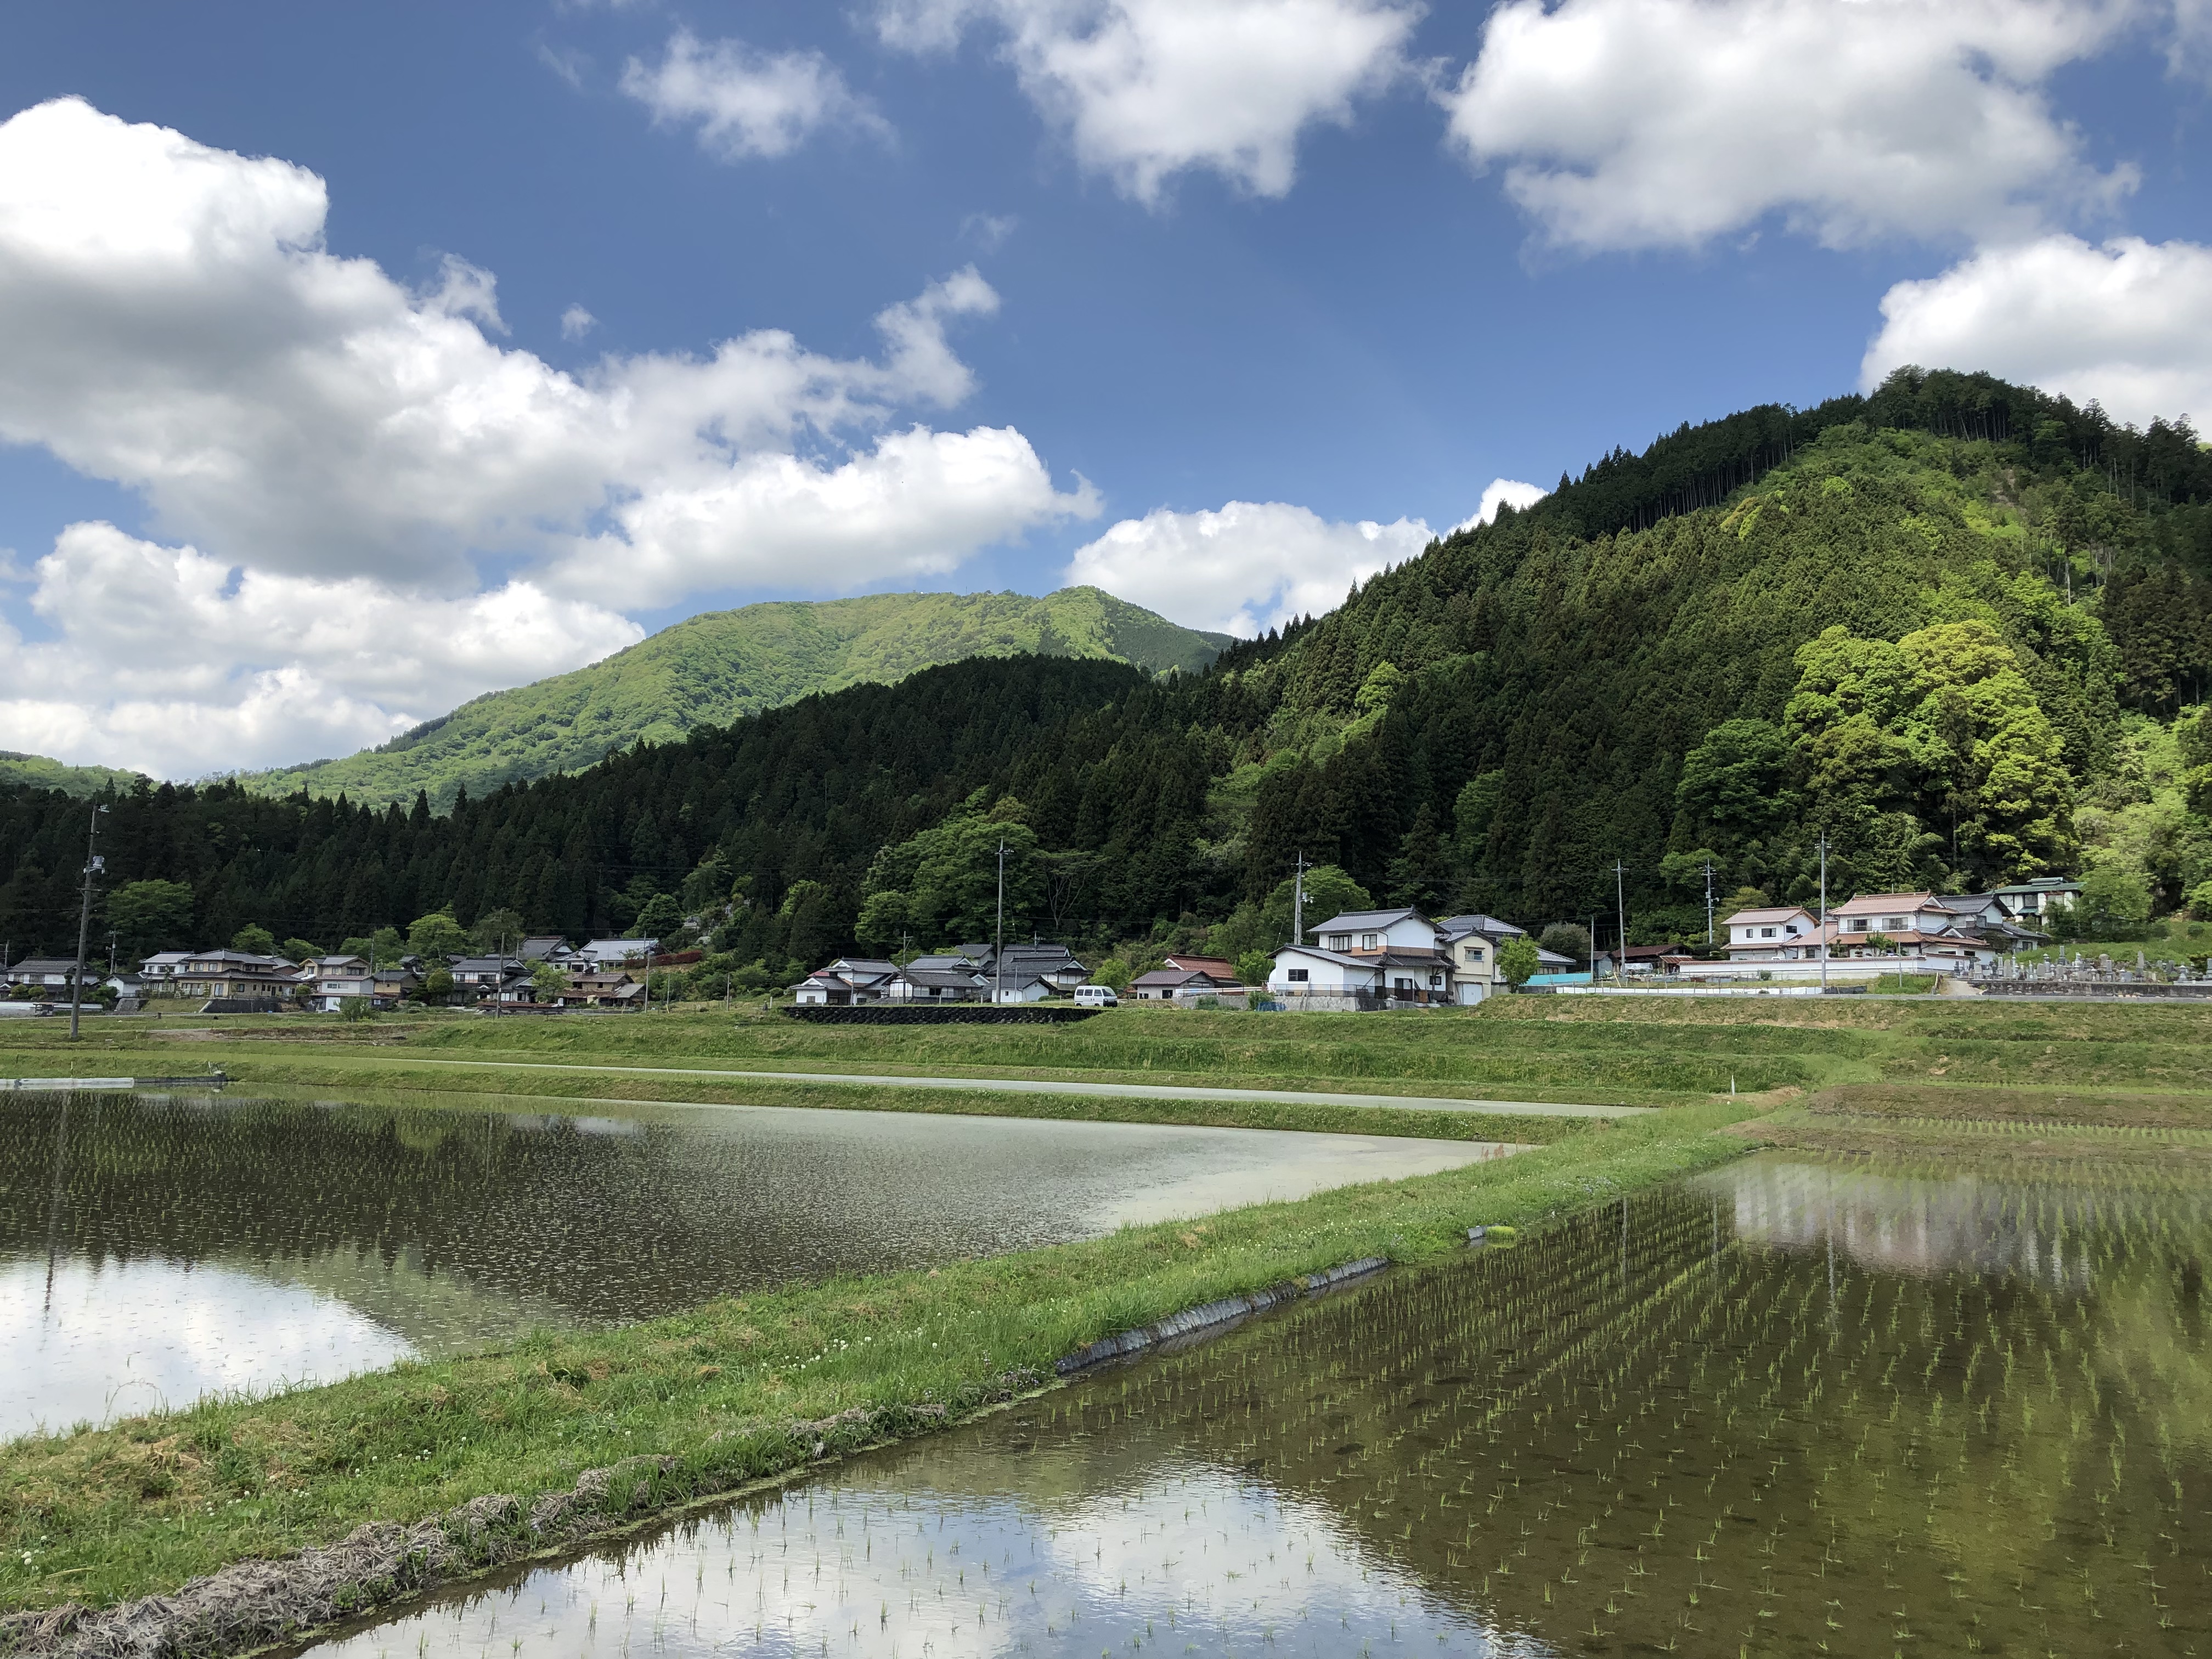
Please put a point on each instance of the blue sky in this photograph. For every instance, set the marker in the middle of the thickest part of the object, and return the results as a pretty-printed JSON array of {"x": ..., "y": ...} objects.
[{"x": 1191, "y": 291}]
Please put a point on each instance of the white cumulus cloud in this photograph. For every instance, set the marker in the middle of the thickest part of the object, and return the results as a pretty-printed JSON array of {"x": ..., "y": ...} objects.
[
  {"x": 1248, "y": 568},
  {"x": 202, "y": 665},
  {"x": 1502, "y": 492},
  {"x": 1637, "y": 124},
  {"x": 747, "y": 103},
  {"x": 1148, "y": 89},
  {"x": 2129, "y": 322},
  {"x": 172, "y": 320}
]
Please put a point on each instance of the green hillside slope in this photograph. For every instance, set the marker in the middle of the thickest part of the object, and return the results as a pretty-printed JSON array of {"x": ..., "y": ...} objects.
[
  {"x": 1958, "y": 633},
  {"x": 38, "y": 772},
  {"x": 710, "y": 670}
]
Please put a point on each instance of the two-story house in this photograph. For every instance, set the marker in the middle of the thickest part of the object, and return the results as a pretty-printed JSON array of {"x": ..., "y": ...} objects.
[
  {"x": 1365, "y": 959},
  {"x": 1782, "y": 933},
  {"x": 331, "y": 980},
  {"x": 1908, "y": 925},
  {"x": 1473, "y": 942}
]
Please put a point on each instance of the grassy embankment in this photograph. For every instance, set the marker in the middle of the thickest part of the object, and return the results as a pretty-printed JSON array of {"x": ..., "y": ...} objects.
[
  {"x": 110, "y": 1513},
  {"x": 1596, "y": 1050}
]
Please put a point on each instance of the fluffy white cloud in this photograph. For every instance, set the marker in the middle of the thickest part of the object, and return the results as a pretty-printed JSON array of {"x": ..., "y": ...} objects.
[
  {"x": 747, "y": 103},
  {"x": 1629, "y": 123},
  {"x": 170, "y": 320},
  {"x": 576, "y": 322},
  {"x": 205, "y": 666},
  {"x": 916, "y": 505},
  {"x": 1251, "y": 566},
  {"x": 1506, "y": 492},
  {"x": 2129, "y": 322},
  {"x": 1147, "y": 88}
]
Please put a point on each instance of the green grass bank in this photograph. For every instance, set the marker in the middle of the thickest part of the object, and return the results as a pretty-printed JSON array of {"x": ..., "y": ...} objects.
[
  {"x": 108, "y": 1513},
  {"x": 1590, "y": 1049}
]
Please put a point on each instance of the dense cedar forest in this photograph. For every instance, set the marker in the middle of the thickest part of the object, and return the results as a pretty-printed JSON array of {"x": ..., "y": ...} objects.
[{"x": 1960, "y": 629}]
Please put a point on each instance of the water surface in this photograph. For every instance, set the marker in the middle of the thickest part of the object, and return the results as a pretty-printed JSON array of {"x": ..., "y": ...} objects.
[
  {"x": 1791, "y": 1408},
  {"x": 153, "y": 1249}
]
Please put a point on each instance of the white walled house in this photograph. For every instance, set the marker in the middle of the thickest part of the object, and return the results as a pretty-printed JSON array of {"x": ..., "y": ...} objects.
[
  {"x": 1306, "y": 975},
  {"x": 1786, "y": 933}
]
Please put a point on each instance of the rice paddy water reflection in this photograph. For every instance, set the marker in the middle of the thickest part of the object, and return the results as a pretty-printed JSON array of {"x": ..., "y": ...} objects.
[
  {"x": 152, "y": 1249},
  {"x": 1792, "y": 1408}
]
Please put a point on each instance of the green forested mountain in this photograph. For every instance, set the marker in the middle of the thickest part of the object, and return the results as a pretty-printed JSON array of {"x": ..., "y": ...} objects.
[
  {"x": 1959, "y": 628},
  {"x": 710, "y": 670},
  {"x": 39, "y": 772}
]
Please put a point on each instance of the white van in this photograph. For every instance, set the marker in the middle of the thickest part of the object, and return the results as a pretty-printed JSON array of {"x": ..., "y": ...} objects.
[{"x": 1096, "y": 996}]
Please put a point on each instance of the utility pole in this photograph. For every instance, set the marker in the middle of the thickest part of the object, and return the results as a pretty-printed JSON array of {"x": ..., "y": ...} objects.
[
  {"x": 1709, "y": 902},
  {"x": 1298, "y": 901},
  {"x": 93, "y": 865},
  {"x": 999, "y": 947},
  {"x": 1620, "y": 905},
  {"x": 1824, "y": 910}
]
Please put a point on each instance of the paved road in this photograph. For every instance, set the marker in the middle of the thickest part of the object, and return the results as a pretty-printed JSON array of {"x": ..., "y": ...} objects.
[{"x": 1116, "y": 1090}]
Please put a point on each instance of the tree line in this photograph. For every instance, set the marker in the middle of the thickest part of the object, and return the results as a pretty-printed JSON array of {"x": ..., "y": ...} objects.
[{"x": 1920, "y": 627}]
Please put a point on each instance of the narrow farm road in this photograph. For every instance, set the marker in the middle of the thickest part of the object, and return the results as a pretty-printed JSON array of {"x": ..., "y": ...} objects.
[{"x": 1049, "y": 1086}]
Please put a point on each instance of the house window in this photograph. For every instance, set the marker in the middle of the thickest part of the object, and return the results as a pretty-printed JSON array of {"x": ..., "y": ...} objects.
[
  {"x": 1297, "y": 976},
  {"x": 1474, "y": 953},
  {"x": 1368, "y": 941},
  {"x": 1340, "y": 941},
  {"x": 1766, "y": 933}
]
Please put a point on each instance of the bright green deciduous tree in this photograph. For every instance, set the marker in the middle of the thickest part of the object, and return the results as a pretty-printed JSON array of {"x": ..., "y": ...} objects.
[
  {"x": 254, "y": 939},
  {"x": 1942, "y": 726},
  {"x": 1329, "y": 892},
  {"x": 947, "y": 879},
  {"x": 1518, "y": 961},
  {"x": 437, "y": 935}
]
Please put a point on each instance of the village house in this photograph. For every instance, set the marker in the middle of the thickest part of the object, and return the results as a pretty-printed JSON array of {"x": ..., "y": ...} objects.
[
  {"x": 330, "y": 981},
  {"x": 237, "y": 976},
  {"x": 1473, "y": 942},
  {"x": 1184, "y": 984},
  {"x": 948, "y": 978},
  {"x": 849, "y": 981},
  {"x": 158, "y": 970},
  {"x": 1051, "y": 966},
  {"x": 483, "y": 976},
  {"x": 1367, "y": 958},
  {"x": 1782, "y": 933},
  {"x": 47, "y": 973},
  {"x": 2032, "y": 902},
  {"x": 614, "y": 952}
]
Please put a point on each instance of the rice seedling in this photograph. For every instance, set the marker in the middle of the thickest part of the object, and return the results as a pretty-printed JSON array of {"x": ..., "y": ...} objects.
[{"x": 1899, "y": 1410}]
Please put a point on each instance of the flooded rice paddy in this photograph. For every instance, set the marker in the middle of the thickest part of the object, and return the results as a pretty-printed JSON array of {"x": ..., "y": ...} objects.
[
  {"x": 153, "y": 1249},
  {"x": 1791, "y": 1408}
]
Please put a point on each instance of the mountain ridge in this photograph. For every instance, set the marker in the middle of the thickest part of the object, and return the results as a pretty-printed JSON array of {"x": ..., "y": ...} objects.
[{"x": 716, "y": 667}]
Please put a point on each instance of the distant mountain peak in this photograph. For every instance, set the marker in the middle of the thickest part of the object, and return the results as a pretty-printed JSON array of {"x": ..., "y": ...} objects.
[{"x": 719, "y": 665}]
